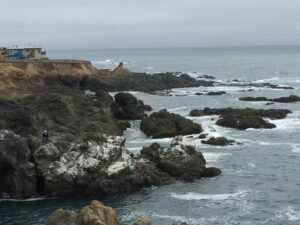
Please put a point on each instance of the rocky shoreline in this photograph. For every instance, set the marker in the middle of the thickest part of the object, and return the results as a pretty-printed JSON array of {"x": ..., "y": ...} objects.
[{"x": 85, "y": 153}]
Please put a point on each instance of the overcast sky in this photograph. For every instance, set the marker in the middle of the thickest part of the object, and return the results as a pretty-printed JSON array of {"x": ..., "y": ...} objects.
[{"x": 85, "y": 24}]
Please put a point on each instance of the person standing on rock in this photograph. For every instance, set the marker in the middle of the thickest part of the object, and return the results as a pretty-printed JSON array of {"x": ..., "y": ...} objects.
[{"x": 45, "y": 137}]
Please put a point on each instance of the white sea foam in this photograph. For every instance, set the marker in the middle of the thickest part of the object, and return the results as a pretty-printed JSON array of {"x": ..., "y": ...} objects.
[
  {"x": 213, "y": 197},
  {"x": 88, "y": 92},
  {"x": 178, "y": 109},
  {"x": 109, "y": 62},
  {"x": 213, "y": 157},
  {"x": 106, "y": 61},
  {"x": 267, "y": 80},
  {"x": 288, "y": 213},
  {"x": 149, "y": 68},
  {"x": 289, "y": 124},
  {"x": 149, "y": 140},
  {"x": 25, "y": 200},
  {"x": 252, "y": 165},
  {"x": 175, "y": 218},
  {"x": 296, "y": 148}
]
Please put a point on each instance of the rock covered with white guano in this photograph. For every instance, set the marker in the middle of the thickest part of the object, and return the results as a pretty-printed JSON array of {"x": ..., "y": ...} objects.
[
  {"x": 104, "y": 167},
  {"x": 180, "y": 160}
]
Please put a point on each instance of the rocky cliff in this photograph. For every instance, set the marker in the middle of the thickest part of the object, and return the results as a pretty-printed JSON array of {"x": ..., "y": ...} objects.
[
  {"x": 14, "y": 70},
  {"x": 85, "y": 151}
]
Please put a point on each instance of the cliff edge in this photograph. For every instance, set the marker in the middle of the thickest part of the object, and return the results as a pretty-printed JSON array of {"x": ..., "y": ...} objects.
[{"x": 12, "y": 70}]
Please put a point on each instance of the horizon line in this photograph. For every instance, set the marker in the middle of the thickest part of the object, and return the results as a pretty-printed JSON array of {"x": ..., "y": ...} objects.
[{"x": 178, "y": 47}]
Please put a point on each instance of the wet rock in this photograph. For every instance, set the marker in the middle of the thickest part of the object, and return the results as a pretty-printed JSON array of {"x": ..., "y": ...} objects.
[
  {"x": 177, "y": 160},
  {"x": 197, "y": 112},
  {"x": 128, "y": 107},
  {"x": 258, "y": 85},
  {"x": 141, "y": 82},
  {"x": 218, "y": 141},
  {"x": 203, "y": 136},
  {"x": 207, "y": 77},
  {"x": 270, "y": 113},
  {"x": 243, "y": 122},
  {"x": 17, "y": 172},
  {"x": 212, "y": 93},
  {"x": 291, "y": 98},
  {"x": 270, "y": 103},
  {"x": 164, "y": 124},
  {"x": 211, "y": 172},
  {"x": 101, "y": 165},
  {"x": 253, "y": 99}
]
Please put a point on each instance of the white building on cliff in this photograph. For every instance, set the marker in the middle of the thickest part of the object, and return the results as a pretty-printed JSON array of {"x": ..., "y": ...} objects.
[{"x": 23, "y": 53}]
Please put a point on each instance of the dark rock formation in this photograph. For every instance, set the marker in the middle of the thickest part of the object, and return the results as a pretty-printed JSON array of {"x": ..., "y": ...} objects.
[
  {"x": 17, "y": 172},
  {"x": 206, "y": 77},
  {"x": 243, "y": 122},
  {"x": 218, "y": 141},
  {"x": 211, "y": 172},
  {"x": 61, "y": 112},
  {"x": 100, "y": 165},
  {"x": 179, "y": 160},
  {"x": 135, "y": 82},
  {"x": 243, "y": 118},
  {"x": 270, "y": 113},
  {"x": 250, "y": 84},
  {"x": 128, "y": 107},
  {"x": 203, "y": 136},
  {"x": 164, "y": 124},
  {"x": 212, "y": 93},
  {"x": 291, "y": 98}
]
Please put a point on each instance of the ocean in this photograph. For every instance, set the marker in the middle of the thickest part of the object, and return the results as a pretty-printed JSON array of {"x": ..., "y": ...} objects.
[{"x": 260, "y": 182}]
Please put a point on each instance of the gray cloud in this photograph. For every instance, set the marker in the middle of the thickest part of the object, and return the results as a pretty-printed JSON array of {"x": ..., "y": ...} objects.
[{"x": 149, "y": 23}]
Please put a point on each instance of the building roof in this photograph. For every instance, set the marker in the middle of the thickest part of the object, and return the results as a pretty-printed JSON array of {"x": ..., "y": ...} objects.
[{"x": 22, "y": 48}]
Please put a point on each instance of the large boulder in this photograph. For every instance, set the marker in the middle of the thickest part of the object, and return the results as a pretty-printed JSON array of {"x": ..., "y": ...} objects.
[
  {"x": 211, "y": 172},
  {"x": 218, "y": 141},
  {"x": 17, "y": 172},
  {"x": 127, "y": 107},
  {"x": 243, "y": 122},
  {"x": 165, "y": 124},
  {"x": 96, "y": 213},
  {"x": 101, "y": 166},
  {"x": 178, "y": 160}
]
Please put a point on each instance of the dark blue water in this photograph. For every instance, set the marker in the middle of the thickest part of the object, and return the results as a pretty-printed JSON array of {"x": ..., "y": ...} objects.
[{"x": 260, "y": 183}]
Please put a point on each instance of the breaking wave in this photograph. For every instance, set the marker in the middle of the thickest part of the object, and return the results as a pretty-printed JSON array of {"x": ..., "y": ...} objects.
[
  {"x": 288, "y": 213},
  {"x": 214, "y": 197}
]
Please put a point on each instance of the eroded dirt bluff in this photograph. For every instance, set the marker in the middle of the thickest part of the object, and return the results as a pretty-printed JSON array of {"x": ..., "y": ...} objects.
[{"x": 11, "y": 71}]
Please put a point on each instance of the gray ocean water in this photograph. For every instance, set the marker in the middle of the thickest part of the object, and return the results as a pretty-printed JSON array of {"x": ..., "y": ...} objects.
[{"x": 260, "y": 183}]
